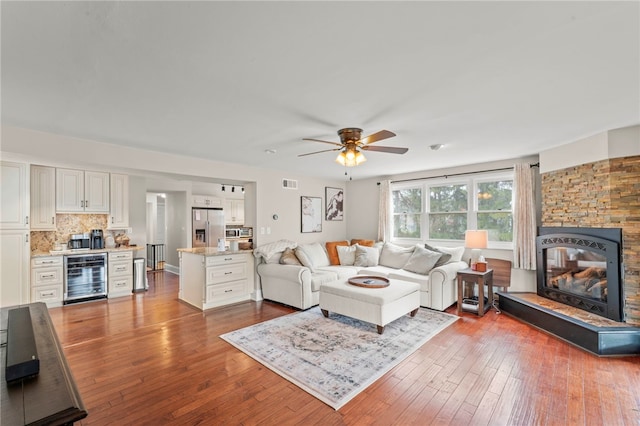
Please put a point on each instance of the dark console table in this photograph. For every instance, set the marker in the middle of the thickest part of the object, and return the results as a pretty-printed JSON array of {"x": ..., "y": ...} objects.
[{"x": 51, "y": 398}]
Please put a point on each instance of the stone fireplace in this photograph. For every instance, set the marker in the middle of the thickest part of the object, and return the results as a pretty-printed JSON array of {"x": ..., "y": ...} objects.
[
  {"x": 589, "y": 212},
  {"x": 602, "y": 194}
]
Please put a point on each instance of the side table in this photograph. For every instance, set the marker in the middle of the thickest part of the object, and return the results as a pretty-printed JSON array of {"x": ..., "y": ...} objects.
[{"x": 480, "y": 279}]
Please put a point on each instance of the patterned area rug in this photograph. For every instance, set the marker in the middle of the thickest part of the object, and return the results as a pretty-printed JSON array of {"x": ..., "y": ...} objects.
[{"x": 335, "y": 358}]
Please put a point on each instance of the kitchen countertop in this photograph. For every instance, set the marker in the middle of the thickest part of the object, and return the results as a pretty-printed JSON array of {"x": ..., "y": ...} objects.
[
  {"x": 68, "y": 252},
  {"x": 212, "y": 251}
]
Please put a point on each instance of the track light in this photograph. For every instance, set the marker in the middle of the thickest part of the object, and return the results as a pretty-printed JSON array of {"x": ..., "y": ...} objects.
[
  {"x": 243, "y": 189},
  {"x": 222, "y": 188},
  {"x": 233, "y": 189}
]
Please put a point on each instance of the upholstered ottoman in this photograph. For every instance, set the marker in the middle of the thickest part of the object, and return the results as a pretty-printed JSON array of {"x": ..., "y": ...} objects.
[{"x": 379, "y": 306}]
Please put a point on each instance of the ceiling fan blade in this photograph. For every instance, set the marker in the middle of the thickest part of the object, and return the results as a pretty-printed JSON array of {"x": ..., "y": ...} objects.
[
  {"x": 378, "y": 136},
  {"x": 318, "y": 152},
  {"x": 318, "y": 140},
  {"x": 389, "y": 149}
]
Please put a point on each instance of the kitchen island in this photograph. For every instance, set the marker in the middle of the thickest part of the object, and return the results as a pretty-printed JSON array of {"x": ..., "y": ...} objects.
[{"x": 211, "y": 278}]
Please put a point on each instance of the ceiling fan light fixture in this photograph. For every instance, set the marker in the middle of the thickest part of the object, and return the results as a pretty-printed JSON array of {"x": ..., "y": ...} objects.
[
  {"x": 360, "y": 158},
  {"x": 341, "y": 159}
]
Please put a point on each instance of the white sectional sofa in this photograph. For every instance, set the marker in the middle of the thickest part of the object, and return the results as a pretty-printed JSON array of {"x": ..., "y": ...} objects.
[{"x": 292, "y": 274}]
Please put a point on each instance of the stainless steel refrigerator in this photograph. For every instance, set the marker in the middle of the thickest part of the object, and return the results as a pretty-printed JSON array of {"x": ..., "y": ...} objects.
[{"x": 208, "y": 226}]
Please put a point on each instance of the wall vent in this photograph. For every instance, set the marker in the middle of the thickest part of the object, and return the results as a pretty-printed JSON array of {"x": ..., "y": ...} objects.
[{"x": 289, "y": 184}]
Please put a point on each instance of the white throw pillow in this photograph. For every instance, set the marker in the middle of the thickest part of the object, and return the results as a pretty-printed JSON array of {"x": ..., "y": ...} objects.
[
  {"x": 422, "y": 261},
  {"x": 455, "y": 252},
  {"x": 347, "y": 255},
  {"x": 366, "y": 256},
  {"x": 394, "y": 256},
  {"x": 312, "y": 255}
]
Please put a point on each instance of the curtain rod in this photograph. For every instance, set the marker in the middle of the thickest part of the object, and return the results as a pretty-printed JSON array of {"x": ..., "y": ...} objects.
[{"x": 461, "y": 174}]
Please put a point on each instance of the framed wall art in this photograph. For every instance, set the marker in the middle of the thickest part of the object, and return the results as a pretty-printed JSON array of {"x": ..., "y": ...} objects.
[
  {"x": 334, "y": 208},
  {"x": 311, "y": 214}
]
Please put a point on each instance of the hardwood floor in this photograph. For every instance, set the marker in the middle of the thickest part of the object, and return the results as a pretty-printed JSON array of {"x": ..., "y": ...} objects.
[{"x": 150, "y": 359}]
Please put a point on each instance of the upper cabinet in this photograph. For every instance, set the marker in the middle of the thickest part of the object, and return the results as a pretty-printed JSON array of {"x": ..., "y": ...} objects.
[
  {"x": 43, "y": 198},
  {"x": 234, "y": 212},
  {"x": 206, "y": 201},
  {"x": 82, "y": 191},
  {"x": 119, "y": 201},
  {"x": 14, "y": 197}
]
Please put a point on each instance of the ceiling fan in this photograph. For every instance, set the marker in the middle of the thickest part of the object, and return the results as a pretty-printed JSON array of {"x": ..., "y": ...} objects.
[{"x": 352, "y": 144}]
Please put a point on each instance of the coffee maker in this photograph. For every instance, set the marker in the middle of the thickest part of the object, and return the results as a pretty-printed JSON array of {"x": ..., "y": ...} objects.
[{"x": 97, "y": 239}]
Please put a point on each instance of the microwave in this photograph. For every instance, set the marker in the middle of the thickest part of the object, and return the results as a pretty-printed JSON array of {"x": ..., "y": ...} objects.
[{"x": 232, "y": 233}]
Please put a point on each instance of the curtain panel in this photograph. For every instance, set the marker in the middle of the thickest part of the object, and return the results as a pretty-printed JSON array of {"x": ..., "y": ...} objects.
[
  {"x": 524, "y": 218},
  {"x": 384, "y": 210}
]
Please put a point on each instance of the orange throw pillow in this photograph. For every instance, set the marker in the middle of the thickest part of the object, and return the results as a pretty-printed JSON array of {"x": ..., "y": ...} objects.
[
  {"x": 366, "y": 243},
  {"x": 332, "y": 251}
]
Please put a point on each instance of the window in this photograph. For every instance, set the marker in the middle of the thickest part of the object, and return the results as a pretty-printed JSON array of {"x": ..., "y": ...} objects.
[
  {"x": 444, "y": 209},
  {"x": 495, "y": 211},
  {"x": 407, "y": 212},
  {"x": 448, "y": 212}
]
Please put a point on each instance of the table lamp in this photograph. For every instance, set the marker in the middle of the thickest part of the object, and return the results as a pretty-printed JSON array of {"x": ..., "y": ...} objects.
[{"x": 475, "y": 240}]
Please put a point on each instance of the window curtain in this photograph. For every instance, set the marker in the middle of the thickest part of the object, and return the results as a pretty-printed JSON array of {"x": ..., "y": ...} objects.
[
  {"x": 384, "y": 209},
  {"x": 524, "y": 218}
]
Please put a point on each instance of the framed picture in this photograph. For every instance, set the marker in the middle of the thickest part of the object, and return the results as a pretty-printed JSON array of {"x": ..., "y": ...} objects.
[
  {"x": 334, "y": 208},
  {"x": 311, "y": 214}
]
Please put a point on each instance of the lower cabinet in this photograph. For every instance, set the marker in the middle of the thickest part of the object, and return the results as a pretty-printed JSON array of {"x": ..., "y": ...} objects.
[
  {"x": 226, "y": 279},
  {"x": 215, "y": 280},
  {"x": 14, "y": 267},
  {"x": 120, "y": 274},
  {"x": 47, "y": 280}
]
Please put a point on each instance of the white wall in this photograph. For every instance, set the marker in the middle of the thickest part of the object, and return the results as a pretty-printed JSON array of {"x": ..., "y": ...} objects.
[{"x": 624, "y": 142}]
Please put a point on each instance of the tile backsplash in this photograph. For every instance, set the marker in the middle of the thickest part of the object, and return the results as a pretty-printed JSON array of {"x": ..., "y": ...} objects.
[{"x": 67, "y": 224}]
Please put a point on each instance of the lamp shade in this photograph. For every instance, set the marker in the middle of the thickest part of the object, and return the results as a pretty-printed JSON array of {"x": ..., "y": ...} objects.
[{"x": 476, "y": 239}]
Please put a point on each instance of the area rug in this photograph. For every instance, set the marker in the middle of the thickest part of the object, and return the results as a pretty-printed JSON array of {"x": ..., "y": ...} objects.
[{"x": 335, "y": 358}]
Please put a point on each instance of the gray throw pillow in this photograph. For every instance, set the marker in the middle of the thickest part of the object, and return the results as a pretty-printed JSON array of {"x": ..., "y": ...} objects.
[
  {"x": 395, "y": 256},
  {"x": 445, "y": 258},
  {"x": 366, "y": 256},
  {"x": 422, "y": 261}
]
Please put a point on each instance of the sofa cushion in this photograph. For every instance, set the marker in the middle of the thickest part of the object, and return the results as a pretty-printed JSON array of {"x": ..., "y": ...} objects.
[
  {"x": 401, "y": 274},
  {"x": 320, "y": 277},
  {"x": 346, "y": 254},
  {"x": 366, "y": 243},
  {"x": 422, "y": 261},
  {"x": 378, "y": 271},
  {"x": 366, "y": 256},
  {"x": 342, "y": 272},
  {"x": 332, "y": 251},
  {"x": 289, "y": 257},
  {"x": 395, "y": 256},
  {"x": 455, "y": 252},
  {"x": 312, "y": 255},
  {"x": 445, "y": 258}
]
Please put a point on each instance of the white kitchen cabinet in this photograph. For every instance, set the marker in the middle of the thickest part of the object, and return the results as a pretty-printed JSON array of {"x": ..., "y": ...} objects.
[
  {"x": 119, "y": 189},
  {"x": 79, "y": 191},
  {"x": 43, "y": 198},
  {"x": 120, "y": 274},
  {"x": 14, "y": 196},
  {"x": 14, "y": 267},
  {"x": 233, "y": 212},
  {"x": 47, "y": 280},
  {"x": 206, "y": 201},
  {"x": 210, "y": 281}
]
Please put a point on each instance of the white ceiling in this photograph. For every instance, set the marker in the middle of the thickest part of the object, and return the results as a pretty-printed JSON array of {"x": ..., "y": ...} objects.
[{"x": 229, "y": 80}]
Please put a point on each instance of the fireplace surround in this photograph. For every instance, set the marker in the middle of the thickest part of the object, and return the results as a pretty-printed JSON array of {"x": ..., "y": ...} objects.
[{"x": 581, "y": 267}]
